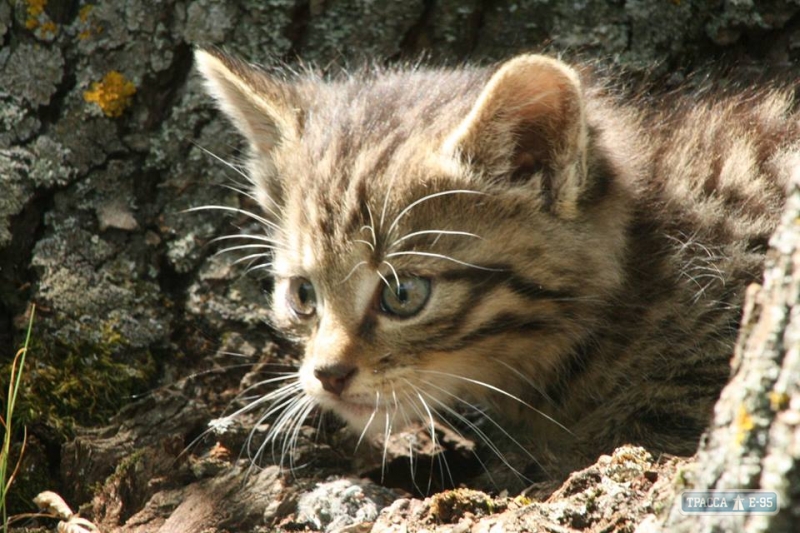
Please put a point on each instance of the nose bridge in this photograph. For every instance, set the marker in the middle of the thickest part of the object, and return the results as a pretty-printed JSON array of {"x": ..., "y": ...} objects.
[
  {"x": 334, "y": 357},
  {"x": 333, "y": 343}
]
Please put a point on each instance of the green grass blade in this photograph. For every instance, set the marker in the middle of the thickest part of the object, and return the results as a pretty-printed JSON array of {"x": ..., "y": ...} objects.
[{"x": 17, "y": 369}]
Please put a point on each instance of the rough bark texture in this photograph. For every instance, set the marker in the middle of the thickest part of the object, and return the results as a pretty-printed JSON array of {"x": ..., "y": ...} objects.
[
  {"x": 754, "y": 440},
  {"x": 103, "y": 139}
]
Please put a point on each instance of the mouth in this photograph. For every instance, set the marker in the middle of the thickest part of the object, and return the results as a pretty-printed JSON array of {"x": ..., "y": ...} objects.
[
  {"x": 354, "y": 408},
  {"x": 358, "y": 415}
]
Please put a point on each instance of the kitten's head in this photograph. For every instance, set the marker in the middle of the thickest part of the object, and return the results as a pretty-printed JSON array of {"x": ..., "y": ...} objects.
[{"x": 440, "y": 235}]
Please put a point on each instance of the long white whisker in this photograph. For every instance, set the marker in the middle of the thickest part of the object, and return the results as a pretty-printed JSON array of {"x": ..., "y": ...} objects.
[
  {"x": 446, "y": 257},
  {"x": 372, "y": 226},
  {"x": 238, "y": 211},
  {"x": 276, "y": 404},
  {"x": 412, "y": 205},
  {"x": 396, "y": 277},
  {"x": 228, "y": 164},
  {"x": 286, "y": 391},
  {"x": 362, "y": 241},
  {"x": 262, "y": 238},
  {"x": 284, "y": 423},
  {"x": 257, "y": 400},
  {"x": 383, "y": 278},
  {"x": 535, "y": 386},
  {"x": 433, "y": 232},
  {"x": 352, "y": 271},
  {"x": 387, "y": 433},
  {"x": 386, "y": 199},
  {"x": 500, "y": 391},
  {"x": 259, "y": 267},
  {"x": 242, "y": 173},
  {"x": 411, "y": 456},
  {"x": 371, "y": 418},
  {"x": 295, "y": 433},
  {"x": 239, "y": 190},
  {"x": 436, "y": 445},
  {"x": 245, "y": 247},
  {"x": 283, "y": 407},
  {"x": 484, "y": 437},
  {"x": 276, "y": 401},
  {"x": 287, "y": 428},
  {"x": 431, "y": 426},
  {"x": 283, "y": 376},
  {"x": 251, "y": 256},
  {"x": 460, "y": 434},
  {"x": 275, "y": 407}
]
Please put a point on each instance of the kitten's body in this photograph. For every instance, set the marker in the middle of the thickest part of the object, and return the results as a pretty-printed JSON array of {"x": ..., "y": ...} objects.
[{"x": 586, "y": 262}]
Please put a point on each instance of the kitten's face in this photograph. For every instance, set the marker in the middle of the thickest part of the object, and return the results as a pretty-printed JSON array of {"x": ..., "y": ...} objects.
[
  {"x": 431, "y": 246},
  {"x": 412, "y": 297}
]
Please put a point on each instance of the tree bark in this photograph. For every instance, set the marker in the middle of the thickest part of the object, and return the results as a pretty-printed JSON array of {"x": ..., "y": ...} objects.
[{"x": 754, "y": 440}]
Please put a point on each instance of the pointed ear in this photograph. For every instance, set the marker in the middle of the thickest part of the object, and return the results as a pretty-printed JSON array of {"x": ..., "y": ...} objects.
[
  {"x": 263, "y": 109},
  {"x": 528, "y": 125}
]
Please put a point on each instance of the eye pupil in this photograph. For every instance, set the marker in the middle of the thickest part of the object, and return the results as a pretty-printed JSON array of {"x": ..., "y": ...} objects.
[
  {"x": 406, "y": 296},
  {"x": 304, "y": 293},
  {"x": 402, "y": 294},
  {"x": 301, "y": 297}
]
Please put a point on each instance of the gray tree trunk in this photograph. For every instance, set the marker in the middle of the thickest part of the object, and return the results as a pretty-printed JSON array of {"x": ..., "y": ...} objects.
[{"x": 754, "y": 440}]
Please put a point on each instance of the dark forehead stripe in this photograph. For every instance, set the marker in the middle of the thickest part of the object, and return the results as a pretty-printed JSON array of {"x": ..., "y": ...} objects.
[
  {"x": 355, "y": 131},
  {"x": 357, "y": 215},
  {"x": 325, "y": 215},
  {"x": 364, "y": 186},
  {"x": 367, "y": 113}
]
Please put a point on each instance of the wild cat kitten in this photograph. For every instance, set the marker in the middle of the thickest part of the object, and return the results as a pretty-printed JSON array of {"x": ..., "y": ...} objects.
[{"x": 509, "y": 238}]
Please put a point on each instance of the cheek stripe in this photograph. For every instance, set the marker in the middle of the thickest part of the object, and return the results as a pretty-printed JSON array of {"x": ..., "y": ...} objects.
[{"x": 521, "y": 286}]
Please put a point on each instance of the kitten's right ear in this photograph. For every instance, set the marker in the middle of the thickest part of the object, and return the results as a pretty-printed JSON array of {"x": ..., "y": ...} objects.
[
  {"x": 263, "y": 109},
  {"x": 528, "y": 127}
]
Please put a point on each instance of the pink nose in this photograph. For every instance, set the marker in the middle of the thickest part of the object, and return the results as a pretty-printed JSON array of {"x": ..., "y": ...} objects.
[{"x": 334, "y": 378}]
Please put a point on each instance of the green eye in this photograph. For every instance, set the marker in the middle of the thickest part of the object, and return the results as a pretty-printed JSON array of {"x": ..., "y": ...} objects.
[
  {"x": 407, "y": 298},
  {"x": 301, "y": 297}
]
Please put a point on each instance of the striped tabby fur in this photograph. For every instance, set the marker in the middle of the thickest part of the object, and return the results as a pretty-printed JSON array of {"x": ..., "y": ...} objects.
[{"x": 586, "y": 260}]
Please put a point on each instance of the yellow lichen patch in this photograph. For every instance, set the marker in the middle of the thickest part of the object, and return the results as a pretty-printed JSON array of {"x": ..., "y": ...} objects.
[
  {"x": 36, "y": 7},
  {"x": 113, "y": 94},
  {"x": 744, "y": 424},
  {"x": 522, "y": 500},
  {"x": 38, "y": 21},
  {"x": 778, "y": 400},
  {"x": 88, "y": 32},
  {"x": 452, "y": 505},
  {"x": 48, "y": 29},
  {"x": 83, "y": 14},
  {"x": 35, "y": 10},
  {"x": 89, "y": 28}
]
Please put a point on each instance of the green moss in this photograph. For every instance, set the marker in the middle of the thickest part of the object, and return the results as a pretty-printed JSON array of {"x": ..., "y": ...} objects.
[
  {"x": 83, "y": 383},
  {"x": 450, "y": 506},
  {"x": 683, "y": 477},
  {"x": 127, "y": 464}
]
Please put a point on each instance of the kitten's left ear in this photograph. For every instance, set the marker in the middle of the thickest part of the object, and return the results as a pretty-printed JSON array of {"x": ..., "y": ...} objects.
[
  {"x": 266, "y": 110},
  {"x": 262, "y": 108},
  {"x": 528, "y": 122}
]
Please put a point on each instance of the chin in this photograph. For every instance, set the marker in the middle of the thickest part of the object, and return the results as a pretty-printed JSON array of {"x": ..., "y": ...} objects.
[{"x": 360, "y": 417}]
